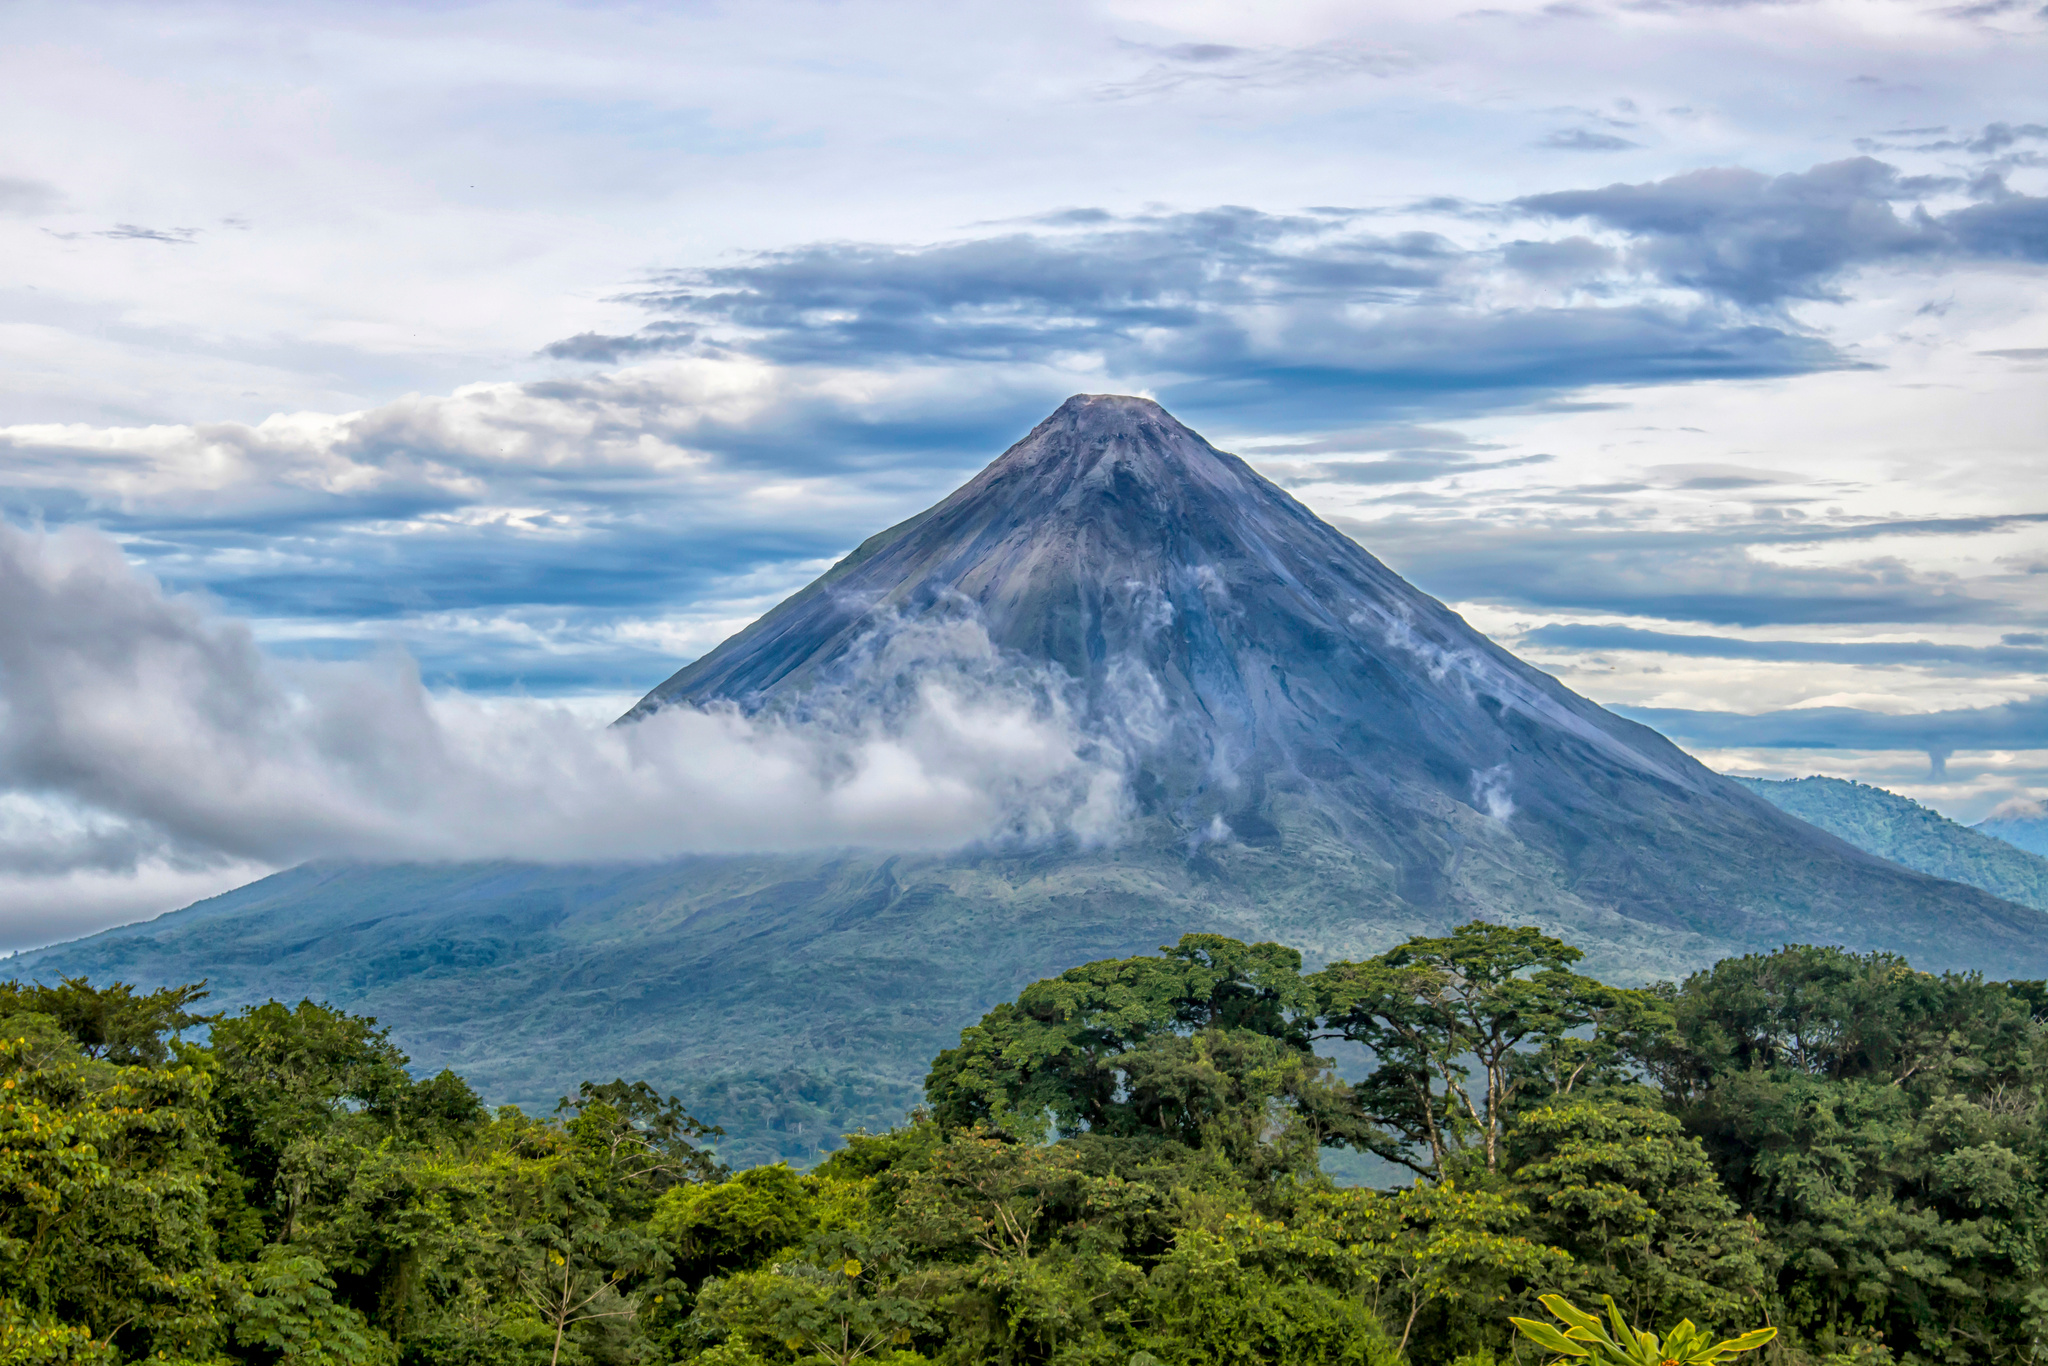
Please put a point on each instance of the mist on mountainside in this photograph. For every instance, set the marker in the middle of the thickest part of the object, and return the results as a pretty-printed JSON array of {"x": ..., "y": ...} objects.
[{"x": 143, "y": 728}]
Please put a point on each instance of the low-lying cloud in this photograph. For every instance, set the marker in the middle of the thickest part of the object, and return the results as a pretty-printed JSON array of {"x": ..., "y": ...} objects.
[{"x": 141, "y": 730}]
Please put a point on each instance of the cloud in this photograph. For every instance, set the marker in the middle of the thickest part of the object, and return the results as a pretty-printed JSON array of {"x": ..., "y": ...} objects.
[
  {"x": 129, "y": 232},
  {"x": 25, "y": 198},
  {"x": 1758, "y": 239},
  {"x": 1568, "y": 259},
  {"x": 1409, "y": 467},
  {"x": 1702, "y": 574},
  {"x": 2020, "y": 652},
  {"x": 1300, "y": 316},
  {"x": 2013, "y": 725},
  {"x": 517, "y": 532},
  {"x": 1219, "y": 66},
  {"x": 1584, "y": 140},
  {"x": 140, "y": 730}
]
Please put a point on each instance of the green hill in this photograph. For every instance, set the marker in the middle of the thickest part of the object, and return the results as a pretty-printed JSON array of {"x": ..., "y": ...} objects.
[
  {"x": 2025, "y": 827},
  {"x": 1900, "y": 829}
]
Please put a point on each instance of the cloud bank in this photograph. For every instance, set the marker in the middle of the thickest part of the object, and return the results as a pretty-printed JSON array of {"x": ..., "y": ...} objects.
[{"x": 139, "y": 729}]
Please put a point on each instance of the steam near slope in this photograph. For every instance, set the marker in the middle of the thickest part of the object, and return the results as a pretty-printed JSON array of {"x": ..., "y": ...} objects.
[{"x": 139, "y": 731}]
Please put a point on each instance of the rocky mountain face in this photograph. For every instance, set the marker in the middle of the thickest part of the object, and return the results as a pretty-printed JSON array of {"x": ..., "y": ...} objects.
[{"x": 1313, "y": 751}]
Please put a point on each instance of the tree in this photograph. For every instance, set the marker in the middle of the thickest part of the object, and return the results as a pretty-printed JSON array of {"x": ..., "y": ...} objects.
[
  {"x": 112, "y": 1023},
  {"x": 1206, "y": 1045},
  {"x": 639, "y": 1144},
  {"x": 104, "y": 1239},
  {"x": 573, "y": 1261},
  {"x": 1632, "y": 1197},
  {"x": 841, "y": 1301},
  {"x": 288, "y": 1314},
  {"x": 1885, "y": 1128},
  {"x": 1500, "y": 998},
  {"x": 285, "y": 1075}
]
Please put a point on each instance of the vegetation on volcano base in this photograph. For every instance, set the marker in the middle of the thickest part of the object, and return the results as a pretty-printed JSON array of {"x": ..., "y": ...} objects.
[{"x": 1118, "y": 1166}]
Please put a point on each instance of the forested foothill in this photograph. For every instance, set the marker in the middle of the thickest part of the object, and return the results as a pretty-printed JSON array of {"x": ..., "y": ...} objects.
[{"x": 1122, "y": 1165}]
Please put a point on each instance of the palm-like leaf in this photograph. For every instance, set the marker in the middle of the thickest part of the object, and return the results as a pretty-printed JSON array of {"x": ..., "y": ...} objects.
[{"x": 1586, "y": 1337}]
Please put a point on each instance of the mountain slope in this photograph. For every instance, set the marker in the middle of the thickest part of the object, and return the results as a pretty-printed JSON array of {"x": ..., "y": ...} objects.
[
  {"x": 1271, "y": 674},
  {"x": 1314, "y": 751},
  {"x": 1900, "y": 829},
  {"x": 2026, "y": 828}
]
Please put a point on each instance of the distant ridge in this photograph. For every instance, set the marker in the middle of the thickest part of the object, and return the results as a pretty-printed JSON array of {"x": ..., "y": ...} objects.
[
  {"x": 1900, "y": 829},
  {"x": 2024, "y": 826},
  {"x": 1316, "y": 752}
]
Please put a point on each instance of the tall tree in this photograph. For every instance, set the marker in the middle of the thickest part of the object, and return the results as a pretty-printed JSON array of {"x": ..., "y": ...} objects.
[
  {"x": 1499, "y": 999},
  {"x": 1206, "y": 1045}
]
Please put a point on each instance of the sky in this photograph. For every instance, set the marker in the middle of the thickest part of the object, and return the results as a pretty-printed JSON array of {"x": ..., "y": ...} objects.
[{"x": 459, "y": 371}]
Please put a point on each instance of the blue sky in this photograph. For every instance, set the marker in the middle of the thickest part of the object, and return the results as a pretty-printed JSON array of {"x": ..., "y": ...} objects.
[{"x": 1695, "y": 351}]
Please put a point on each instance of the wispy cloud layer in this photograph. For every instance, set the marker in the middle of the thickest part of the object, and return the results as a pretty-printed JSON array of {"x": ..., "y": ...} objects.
[{"x": 142, "y": 731}]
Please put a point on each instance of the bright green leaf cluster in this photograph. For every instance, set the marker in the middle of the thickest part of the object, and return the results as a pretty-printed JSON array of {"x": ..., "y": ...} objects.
[{"x": 1616, "y": 1344}]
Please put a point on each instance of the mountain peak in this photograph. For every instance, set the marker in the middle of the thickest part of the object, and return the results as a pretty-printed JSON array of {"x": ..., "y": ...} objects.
[
  {"x": 1133, "y": 437},
  {"x": 1168, "y": 578},
  {"x": 1084, "y": 409}
]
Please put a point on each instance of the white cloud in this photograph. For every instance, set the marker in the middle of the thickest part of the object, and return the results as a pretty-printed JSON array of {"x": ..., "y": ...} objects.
[{"x": 137, "y": 731}]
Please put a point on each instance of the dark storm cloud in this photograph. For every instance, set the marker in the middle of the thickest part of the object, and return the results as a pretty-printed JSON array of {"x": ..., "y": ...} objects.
[
  {"x": 2014, "y": 725},
  {"x": 2020, "y": 652},
  {"x": 1706, "y": 576},
  {"x": 1758, "y": 239}
]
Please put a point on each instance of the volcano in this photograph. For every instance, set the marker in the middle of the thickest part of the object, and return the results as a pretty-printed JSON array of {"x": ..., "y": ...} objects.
[
  {"x": 1313, "y": 751},
  {"x": 1290, "y": 694}
]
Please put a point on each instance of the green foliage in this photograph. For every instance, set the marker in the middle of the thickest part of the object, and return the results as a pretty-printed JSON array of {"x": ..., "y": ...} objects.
[
  {"x": 1885, "y": 1129},
  {"x": 1633, "y": 1198},
  {"x": 287, "y": 1313},
  {"x": 1586, "y": 1337},
  {"x": 111, "y": 1023},
  {"x": 103, "y": 1224},
  {"x": 1498, "y": 998},
  {"x": 641, "y": 1144},
  {"x": 1118, "y": 1167},
  {"x": 1206, "y": 1046}
]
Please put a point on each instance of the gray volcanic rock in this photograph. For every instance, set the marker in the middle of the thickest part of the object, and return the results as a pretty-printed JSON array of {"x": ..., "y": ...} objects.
[{"x": 1316, "y": 752}]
